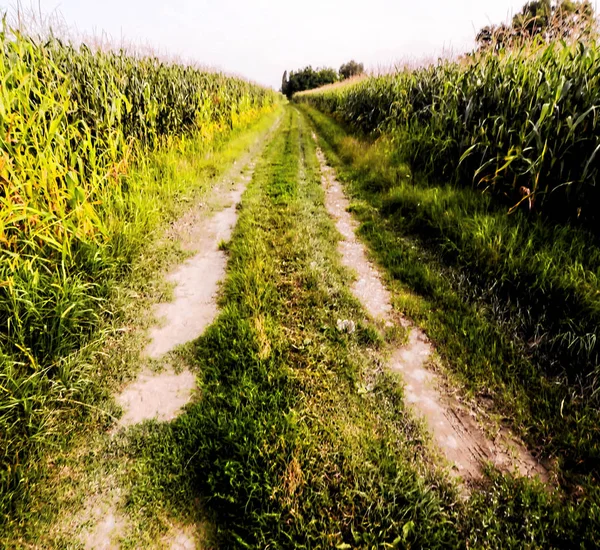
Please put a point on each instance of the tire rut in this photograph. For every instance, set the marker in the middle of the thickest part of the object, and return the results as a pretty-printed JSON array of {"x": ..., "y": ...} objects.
[
  {"x": 453, "y": 427},
  {"x": 162, "y": 395},
  {"x": 194, "y": 307}
]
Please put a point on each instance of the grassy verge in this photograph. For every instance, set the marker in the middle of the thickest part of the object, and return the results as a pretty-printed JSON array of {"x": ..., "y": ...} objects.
[
  {"x": 301, "y": 438},
  {"x": 50, "y": 409},
  {"x": 495, "y": 294}
]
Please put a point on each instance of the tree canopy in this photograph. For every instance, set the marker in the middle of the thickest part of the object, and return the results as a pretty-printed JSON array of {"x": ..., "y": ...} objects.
[
  {"x": 548, "y": 19},
  {"x": 307, "y": 79},
  {"x": 350, "y": 69}
]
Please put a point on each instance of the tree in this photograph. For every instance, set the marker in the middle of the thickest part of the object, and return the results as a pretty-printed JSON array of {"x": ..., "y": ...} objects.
[
  {"x": 548, "y": 19},
  {"x": 307, "y": 79},
  {"x": 350, "y": 69},
  {"x": 534, "y": 18},
  {"x": 284, "y": 83}
]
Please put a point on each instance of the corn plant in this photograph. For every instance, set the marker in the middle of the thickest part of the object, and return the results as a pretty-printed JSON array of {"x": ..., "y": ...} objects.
[{"x": 522, "y": 124}]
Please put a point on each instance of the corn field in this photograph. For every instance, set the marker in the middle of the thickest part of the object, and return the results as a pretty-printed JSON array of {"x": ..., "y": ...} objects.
[
  {"x": 73, "y": 123},
  {"x": 522, "y": 124}
]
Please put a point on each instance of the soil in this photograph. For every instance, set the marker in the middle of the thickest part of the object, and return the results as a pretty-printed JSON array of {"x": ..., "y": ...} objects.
[
  {"x": 194, "y": 306},
  {"x": 160, "y": 396},
  {"x": 103, "y": 537}
]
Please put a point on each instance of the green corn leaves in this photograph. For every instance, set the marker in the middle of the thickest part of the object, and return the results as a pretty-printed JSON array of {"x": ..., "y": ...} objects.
[
  {"x": 501, "y": 121},
  {"x": 73, "y": 122}
]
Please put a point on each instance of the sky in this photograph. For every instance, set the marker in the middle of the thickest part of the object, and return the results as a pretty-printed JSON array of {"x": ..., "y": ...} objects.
[{"x": 259, "y": 39}]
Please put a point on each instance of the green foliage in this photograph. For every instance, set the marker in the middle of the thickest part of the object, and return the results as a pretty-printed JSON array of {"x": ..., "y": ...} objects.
[
  {"x": 496, "y": 327},
  {"x": 307, "y": 79},
  {"x": 350, "y": 69},
  {"x": 552, "y": 18},
  {"x": 522, "y": 125},
  {"x": 542, "y": 19}
]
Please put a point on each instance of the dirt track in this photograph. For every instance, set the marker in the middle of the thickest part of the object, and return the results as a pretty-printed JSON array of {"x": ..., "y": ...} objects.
[
  {"x": 454, "y": 428},
  {"x": 162, "y": 395}
]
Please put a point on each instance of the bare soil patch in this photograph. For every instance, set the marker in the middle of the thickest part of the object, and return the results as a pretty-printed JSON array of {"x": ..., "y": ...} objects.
[
  {"x": 160, "y": 396},
  {"x": 196, "y": 281},
  {"x": 106, "y": 532}
]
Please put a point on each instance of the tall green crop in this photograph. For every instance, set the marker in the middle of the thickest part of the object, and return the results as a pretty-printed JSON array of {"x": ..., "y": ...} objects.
[{"x": 523, "y": 124}]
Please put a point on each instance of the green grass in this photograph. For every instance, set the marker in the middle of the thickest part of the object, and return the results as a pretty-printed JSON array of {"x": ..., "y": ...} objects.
[
  {"x": 284, "y": 449},
  {"x": 463, "y": 269}
]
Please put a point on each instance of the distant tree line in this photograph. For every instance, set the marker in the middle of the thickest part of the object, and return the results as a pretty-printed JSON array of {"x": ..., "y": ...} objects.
[
  {"x": 309, "y": 78},
  {"x": 546, "y": 19}
]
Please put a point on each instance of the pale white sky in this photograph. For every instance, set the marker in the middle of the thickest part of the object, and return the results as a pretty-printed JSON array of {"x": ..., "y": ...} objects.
[{"x": 259, "y": 39}]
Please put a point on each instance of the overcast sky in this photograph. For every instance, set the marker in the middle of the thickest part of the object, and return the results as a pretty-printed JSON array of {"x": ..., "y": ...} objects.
[{"x": 259, "y": 39}]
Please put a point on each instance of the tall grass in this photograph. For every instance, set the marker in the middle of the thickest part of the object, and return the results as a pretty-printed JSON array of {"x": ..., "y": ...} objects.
[
  {"x": 523, "y": 123},
  {"x": 74, "y": 123}
]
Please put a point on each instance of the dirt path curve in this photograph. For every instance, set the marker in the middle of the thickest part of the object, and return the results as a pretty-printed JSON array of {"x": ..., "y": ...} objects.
[
  {"x": 162, "y": 395},
  {"x": 454, "y": 429}
]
